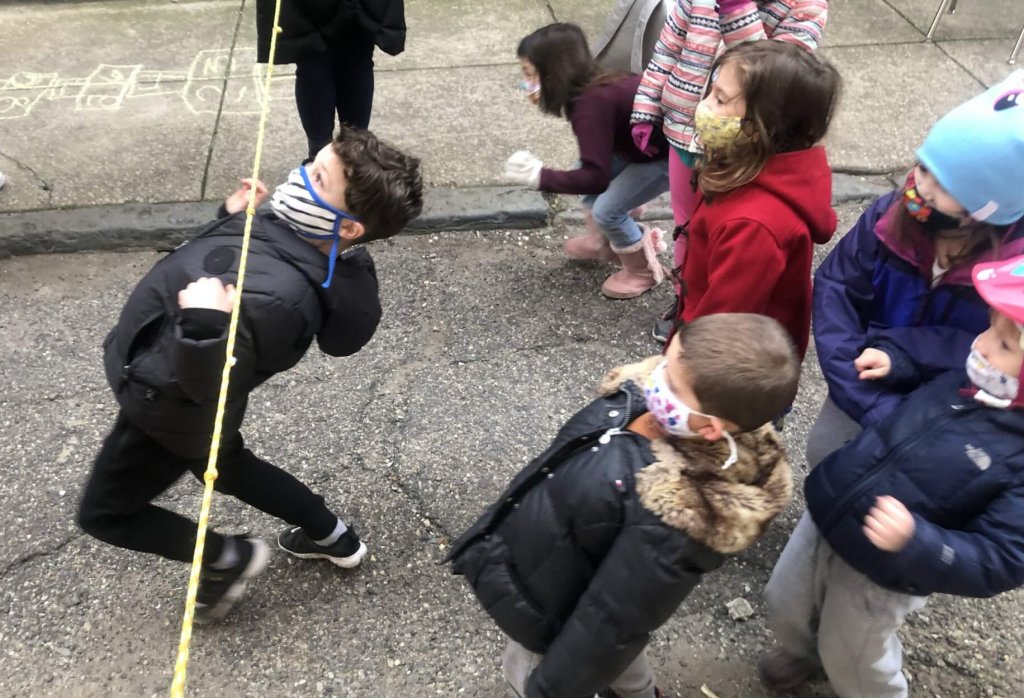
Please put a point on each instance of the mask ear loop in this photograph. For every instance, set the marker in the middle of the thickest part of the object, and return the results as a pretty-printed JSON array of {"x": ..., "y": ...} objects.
[
  {"x": 335, "y": 236},
  {"x": 733, "y": 451}
]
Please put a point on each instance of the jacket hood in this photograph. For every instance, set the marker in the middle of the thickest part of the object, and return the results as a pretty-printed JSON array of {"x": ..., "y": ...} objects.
[
  {"x": 685, "y": 486},
  {"x": 803, "y": 179}
]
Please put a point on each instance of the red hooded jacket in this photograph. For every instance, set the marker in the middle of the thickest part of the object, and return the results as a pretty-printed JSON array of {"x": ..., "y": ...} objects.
[{"x": 750, "y": 250}]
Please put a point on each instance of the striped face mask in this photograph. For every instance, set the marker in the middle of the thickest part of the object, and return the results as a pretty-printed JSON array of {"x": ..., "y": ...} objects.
[{"x": 297, "y": 203}]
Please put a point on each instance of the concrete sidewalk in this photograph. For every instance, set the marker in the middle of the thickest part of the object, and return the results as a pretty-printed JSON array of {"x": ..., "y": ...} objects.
[{"x": 128, "y": 102}]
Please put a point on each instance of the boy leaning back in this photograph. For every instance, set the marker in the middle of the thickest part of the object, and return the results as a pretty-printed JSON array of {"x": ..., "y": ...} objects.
[
  {"x": 598, "y": 540},
  {"x": 306, "y": 280},
  {"x": 930, "y": 500}
]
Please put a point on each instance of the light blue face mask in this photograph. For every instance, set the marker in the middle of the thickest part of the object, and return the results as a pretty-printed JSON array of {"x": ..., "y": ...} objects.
[{"x": 297, "y": 203}]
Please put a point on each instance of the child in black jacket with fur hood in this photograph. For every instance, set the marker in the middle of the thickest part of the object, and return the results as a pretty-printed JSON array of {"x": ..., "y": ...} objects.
[{"x": 598, "y": 540}]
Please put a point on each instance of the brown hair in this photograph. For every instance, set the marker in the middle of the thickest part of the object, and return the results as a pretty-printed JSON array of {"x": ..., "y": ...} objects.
[
  {"x": 742, "y": 367},
  {"x": 564, "y": 65},
  {"x": 791, "y": 95},
  {"x": 384, "y": 187}
]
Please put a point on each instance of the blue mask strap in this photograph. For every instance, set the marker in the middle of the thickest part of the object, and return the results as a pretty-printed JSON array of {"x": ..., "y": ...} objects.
[{"x": 333, "y": 257}]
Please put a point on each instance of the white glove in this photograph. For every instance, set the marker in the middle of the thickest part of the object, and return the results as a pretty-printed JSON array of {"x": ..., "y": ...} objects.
[{"x": 523, "y": 167}]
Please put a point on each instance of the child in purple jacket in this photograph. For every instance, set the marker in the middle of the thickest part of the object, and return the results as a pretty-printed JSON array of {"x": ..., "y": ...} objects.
[
  {"x": 614, "y": 175},
  {"x": 901, "y": 276}
]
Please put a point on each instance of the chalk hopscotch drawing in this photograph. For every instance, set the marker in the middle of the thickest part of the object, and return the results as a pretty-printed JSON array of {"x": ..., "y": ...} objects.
[{"x": 109, "y": 87}]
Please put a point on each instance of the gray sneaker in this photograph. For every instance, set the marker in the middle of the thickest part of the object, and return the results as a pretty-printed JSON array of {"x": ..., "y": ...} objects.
[{"x": 781, "y": 671}]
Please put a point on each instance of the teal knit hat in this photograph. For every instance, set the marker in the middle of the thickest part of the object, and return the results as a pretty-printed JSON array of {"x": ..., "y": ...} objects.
[{"x": 976, "y": 152}]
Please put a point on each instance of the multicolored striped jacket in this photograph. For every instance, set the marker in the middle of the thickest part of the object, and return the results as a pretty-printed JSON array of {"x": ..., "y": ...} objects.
[{"x": 673, "y": 83}]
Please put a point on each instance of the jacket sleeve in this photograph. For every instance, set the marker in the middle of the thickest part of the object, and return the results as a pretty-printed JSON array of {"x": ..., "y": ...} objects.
[
  {"x": 984, "y": 559},
  {"x": 646, "y": 574},
  {"x": 744, "y": 265},
  {"x": 742, "y": 24},
  {"x": 647, "y": 103},
  {"x": 922, "y": 352},
  {"x": 354, "y": 307},
  {"x": 843, "y": 294},
  {"x": 384, "y": 20},
  {"x": 903, "y": 374},
  {"x": 201, "y": 336},
  {"x": 592, "y": 122},
  {"x": 803, "y": 24}
]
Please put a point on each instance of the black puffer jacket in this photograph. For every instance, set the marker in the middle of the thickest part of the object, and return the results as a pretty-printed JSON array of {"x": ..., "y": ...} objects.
[
  {"x": 167, "y": 384},
  {"x": 310, "y": 26},
  {"x": 597, "y": 541}
]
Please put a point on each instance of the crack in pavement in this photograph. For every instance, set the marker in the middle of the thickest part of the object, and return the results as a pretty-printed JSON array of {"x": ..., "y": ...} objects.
[
  {"x": 37, "y": 554},
  {"x": 43, "y": 184}
]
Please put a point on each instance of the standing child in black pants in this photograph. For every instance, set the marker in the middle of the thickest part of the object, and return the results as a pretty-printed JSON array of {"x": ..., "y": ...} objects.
[
  {"x": 165, "y": 357},
  {"x": 331, "y": 44}
]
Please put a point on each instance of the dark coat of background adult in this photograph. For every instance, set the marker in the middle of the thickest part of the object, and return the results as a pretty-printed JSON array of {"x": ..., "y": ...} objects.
[
  {"x": 310, "y": 26},
  {"x": 167, "y": 385}
]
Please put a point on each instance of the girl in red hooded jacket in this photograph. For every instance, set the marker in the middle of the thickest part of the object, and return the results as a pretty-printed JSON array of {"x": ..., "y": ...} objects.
[{"x": 765, "y": 186}]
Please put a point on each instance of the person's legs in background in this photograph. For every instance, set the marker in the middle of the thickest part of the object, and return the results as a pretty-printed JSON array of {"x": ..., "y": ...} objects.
[
  {"x": 593, "y": 244},
  {"x": 635, "y": 246},
  {"x": 353, "y": 79},
  {"x": 315, "y": 98},
  {"x": 684, "y": 202}
]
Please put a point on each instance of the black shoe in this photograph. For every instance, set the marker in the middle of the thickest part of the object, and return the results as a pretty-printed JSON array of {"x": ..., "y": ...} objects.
[
  {"x": 662, "y": 329},
  {"x": 220, "y": 589},
  {"x": 665, "y": 325},
  {"x": 348, "y": 551}
]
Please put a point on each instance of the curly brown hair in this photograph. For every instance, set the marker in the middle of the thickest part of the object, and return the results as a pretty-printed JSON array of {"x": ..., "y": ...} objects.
[
  {"x": 384, "y": 187},
  {"x": 791, "y": 96}
]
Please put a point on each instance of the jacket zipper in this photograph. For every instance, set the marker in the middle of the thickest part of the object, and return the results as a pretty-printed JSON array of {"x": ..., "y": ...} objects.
[{"x": 839, "y": 510}]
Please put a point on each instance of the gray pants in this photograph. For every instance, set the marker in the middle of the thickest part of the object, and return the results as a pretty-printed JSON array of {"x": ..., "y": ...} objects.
[
  {"x": 637, "y": 681},
  {"x": 820, "y": 607},
  {"x": 832, "y": 430}
]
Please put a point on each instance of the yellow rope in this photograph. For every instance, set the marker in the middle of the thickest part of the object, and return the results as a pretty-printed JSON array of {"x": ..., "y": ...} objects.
[{"x": 181, "y": 665}]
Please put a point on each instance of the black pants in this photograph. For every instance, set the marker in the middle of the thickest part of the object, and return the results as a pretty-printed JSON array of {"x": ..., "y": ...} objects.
[
  {"x": 132, "y": 469},
  {"x": 339, "y": 79}
]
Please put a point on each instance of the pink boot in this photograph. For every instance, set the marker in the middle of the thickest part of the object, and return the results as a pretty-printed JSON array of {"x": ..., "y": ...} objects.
[
  {"x": 641, "y": 270},
  {"x": 591, "y": 245}
]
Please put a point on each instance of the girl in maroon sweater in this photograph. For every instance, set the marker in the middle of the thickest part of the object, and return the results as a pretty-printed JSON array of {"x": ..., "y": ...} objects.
[
  {"x": 614, "y": 175},
  {"x": 765, "y": 186}
]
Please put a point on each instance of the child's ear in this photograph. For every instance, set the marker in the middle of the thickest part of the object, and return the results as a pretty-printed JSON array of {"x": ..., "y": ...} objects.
[
  {"x": 351, "y": 230},
  {"x": 713, "y": 430}
]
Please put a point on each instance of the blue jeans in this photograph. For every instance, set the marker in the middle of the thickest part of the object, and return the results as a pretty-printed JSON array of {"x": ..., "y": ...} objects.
[{"x": 633, "y": 184}]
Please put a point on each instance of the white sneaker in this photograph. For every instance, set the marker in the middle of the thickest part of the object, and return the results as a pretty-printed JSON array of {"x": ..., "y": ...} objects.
[{"x": 3, "y": 180}]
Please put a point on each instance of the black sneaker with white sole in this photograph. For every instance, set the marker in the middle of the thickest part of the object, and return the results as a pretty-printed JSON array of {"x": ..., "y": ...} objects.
[
  {"x": 348, "y": 551},
  {"x": 220, "y": 589}
]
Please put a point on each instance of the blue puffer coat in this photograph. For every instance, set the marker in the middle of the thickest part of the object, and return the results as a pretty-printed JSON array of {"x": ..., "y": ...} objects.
[
  {"x": 958, "y": 466},
  {"x": 871, "y": 291}
]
